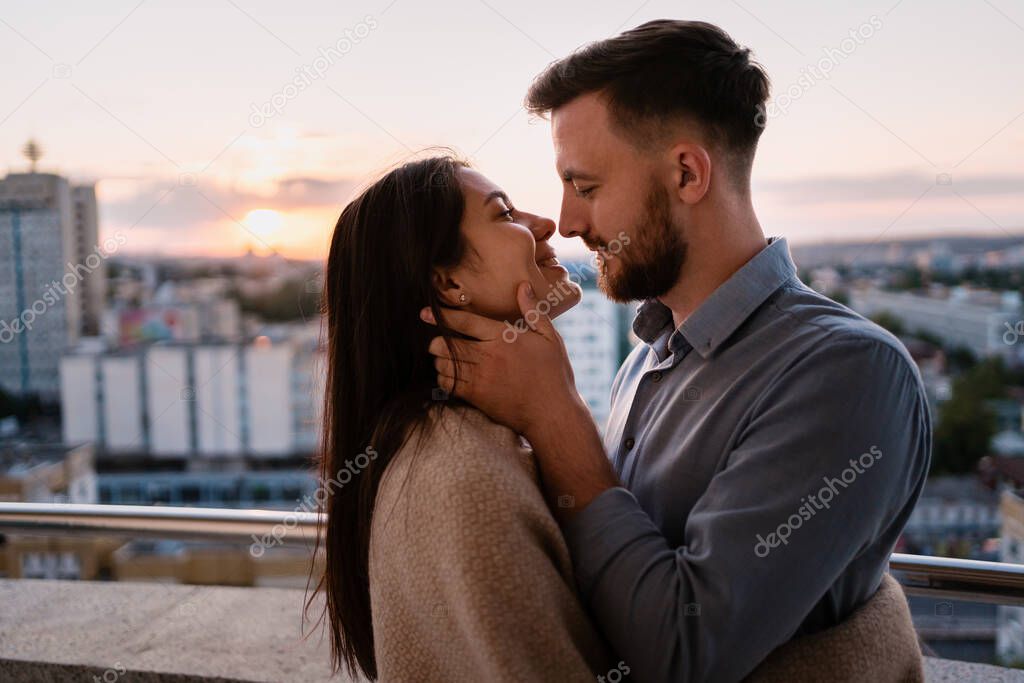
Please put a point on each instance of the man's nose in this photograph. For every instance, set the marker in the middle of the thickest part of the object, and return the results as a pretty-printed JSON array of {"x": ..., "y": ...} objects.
[{"x": 572, "y": 222}]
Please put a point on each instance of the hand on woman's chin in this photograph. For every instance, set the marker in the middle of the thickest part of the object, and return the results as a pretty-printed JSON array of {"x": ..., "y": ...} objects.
[
  {"x": 556, "y": 294},
  {"x": 559, "y": 291}
]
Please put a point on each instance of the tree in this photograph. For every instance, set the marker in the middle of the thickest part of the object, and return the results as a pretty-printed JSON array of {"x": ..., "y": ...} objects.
[
  {"x": 909, "y": 278},
  {"x": 840, "y": 296},
  {"x": 8, "y": 406},
  {"x": 293, "y": 300},
  {"x": 22, "y": 407},
  {"x": 966, "y": 424},
  {"x": 888, "y": 321},
  {"x": 960, "y": 359}
]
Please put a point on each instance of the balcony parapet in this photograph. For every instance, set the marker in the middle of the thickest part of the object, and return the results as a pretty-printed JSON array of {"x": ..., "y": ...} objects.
[
  {"x": 157, "y": 633},
  {"x": 128, "y": 632}
]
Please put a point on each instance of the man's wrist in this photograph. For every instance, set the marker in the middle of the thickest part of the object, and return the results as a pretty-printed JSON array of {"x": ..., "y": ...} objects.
[
  {"x": 574, "y": 466},
  {"x": 556, "y": 415}
]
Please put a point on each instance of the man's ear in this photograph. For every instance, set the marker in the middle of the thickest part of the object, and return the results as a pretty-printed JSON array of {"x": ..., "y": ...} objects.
[
  {"x": 691, "y": 171},
  {"x": 449, "y": 287}
]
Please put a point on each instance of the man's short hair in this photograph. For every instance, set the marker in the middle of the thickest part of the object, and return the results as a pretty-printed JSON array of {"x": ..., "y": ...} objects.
[{"x": 663, "y": 72}]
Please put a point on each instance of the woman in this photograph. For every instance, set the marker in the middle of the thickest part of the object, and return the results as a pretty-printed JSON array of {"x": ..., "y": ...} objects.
[{"x": 443, "y": 562}]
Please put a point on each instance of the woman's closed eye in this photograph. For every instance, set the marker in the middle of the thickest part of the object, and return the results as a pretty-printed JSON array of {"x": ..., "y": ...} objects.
[{"x": 508, "y": 212}]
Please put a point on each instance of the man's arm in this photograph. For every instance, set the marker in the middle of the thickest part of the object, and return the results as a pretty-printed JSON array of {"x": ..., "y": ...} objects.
[
  {"x": 574, "y": 467},
  {"x": 850, "y": 414}
]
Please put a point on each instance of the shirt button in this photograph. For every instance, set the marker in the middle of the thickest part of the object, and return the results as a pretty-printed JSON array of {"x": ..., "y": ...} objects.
[
  {"x": 656, "y": 376},
  {"x": 630, "y": 442}
]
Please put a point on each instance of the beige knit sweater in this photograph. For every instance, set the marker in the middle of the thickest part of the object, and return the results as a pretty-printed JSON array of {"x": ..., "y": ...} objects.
[
  {"x": 876, "y": 643},
  {"x": 470, "y": 580}
]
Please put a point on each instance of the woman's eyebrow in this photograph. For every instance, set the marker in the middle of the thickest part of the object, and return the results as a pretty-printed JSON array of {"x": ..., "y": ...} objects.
[{"x": 497, "y": 194}]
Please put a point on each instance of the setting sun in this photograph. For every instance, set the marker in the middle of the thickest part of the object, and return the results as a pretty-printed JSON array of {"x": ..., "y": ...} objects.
[{"x": 264, "y": 222}]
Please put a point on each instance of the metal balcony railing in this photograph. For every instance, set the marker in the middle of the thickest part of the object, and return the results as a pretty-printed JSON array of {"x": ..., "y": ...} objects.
[
  {"x": 948, "y": 578},
  {"x": 145, "y": 521}
]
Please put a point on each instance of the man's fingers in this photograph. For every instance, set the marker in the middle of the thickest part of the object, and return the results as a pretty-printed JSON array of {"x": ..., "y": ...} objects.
[
  {"x": 464, "y": 350},
  {"x": 447, "y": 367},
  {"x": 471, "y": 324},
  {"x": 535, "y": 312},
  {"x": 448, "y": 384}
]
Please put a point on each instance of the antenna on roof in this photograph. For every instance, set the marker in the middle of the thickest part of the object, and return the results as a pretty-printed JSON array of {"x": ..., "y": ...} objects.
[{"x": 33, "y": 152}]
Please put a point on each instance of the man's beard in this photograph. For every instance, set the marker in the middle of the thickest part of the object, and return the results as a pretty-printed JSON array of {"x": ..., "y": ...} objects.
[{"x": 649, "y": 265}]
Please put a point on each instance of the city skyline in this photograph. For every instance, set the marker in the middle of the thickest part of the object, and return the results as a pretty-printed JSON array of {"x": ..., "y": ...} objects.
[{"x": 200, "y": 150}]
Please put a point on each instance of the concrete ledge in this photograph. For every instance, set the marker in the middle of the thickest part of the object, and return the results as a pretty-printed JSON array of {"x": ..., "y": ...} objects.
[
  {"x": 40, "y": 672},
  {"x": 155, "y": 632},
  {"x": 950, "y": 671},
  {"x": 124, "y": 632}
]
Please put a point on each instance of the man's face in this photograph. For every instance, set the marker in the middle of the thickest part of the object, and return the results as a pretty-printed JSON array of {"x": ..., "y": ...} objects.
[{"x": 613, "y": 199}]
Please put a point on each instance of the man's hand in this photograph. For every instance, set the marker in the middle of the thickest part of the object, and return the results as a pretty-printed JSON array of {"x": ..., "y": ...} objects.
[{"x": 518, "y": 374}]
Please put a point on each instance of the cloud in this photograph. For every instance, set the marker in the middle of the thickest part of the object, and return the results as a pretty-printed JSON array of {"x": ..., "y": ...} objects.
[
  {"x": 308, "y": 192},
  {"x": 882, "y": 187},
  {"x": 171, "y": 204}
]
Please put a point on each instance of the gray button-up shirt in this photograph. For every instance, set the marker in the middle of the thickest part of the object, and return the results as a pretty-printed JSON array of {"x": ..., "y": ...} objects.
[{"x": 771, "y": 450}]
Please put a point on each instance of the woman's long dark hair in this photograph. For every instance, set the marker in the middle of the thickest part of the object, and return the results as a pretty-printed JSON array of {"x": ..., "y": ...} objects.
[{"x": 381, "y": 380}]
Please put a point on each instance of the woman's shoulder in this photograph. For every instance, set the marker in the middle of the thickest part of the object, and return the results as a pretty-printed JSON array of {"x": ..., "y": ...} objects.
[
  {"x": 469, "y": 426},
  {"x": 452, "y": 432},
  {"x": 459, "y": 454}
]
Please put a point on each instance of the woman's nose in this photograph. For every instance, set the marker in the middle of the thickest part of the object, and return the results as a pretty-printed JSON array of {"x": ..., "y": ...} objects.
[{"x": 541, "y": 227}]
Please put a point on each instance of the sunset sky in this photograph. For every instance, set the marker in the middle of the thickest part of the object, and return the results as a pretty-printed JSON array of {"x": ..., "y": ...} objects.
[{"x": 917, "y": 129}]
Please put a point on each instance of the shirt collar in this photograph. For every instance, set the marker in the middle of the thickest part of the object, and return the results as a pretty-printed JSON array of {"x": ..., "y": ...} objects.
[{"x": 727, "y": 307}]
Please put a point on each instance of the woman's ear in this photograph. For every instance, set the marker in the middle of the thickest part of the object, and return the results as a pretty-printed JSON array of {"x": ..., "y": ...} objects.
[{"x": 449, "y": 288}]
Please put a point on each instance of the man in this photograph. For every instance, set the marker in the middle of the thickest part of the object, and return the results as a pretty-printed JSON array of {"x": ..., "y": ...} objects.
[{"x": 765, "y": 444}]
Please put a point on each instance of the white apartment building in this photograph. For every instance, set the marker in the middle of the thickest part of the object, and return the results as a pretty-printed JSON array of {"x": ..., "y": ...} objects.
[
  {"x": 982, "y": 322},
  {"x": 207, "y": 401}
]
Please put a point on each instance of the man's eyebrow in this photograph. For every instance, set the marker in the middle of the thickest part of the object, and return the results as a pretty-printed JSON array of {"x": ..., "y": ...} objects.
[
  {"x": 497, "y": 194},
  {"x": 571, "y": 174}
]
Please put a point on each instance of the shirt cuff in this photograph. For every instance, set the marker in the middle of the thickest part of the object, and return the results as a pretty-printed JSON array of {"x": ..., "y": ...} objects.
[{"x": 596, "y": 534}]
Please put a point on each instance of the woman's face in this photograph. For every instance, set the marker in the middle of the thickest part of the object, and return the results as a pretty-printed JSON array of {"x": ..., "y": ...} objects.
[{"x": 505, "y": 247}]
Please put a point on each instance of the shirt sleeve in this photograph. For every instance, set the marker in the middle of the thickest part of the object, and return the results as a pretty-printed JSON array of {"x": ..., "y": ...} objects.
[{"x": 848, "y": 427}]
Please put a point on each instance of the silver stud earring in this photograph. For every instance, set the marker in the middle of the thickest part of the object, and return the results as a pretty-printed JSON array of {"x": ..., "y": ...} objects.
[{"x": 462, "y": 298}]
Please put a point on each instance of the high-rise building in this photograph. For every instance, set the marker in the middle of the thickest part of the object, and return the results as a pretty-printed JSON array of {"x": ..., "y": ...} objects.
[
  {"x": 85, "y": 220},
  {"x": 52, "y": 277},
  {"x": 39, "y": 315}
]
